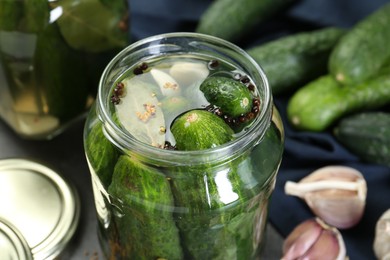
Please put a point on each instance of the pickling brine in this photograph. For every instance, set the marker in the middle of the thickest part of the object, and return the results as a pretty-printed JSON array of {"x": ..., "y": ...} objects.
[
  {"x": 150, "y": 96},
  {"x": 52, "y": 54},
  {"x": 183, "y": 145}
]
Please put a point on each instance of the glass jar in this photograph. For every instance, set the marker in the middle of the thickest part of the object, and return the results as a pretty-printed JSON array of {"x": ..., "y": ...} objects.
[
  {"x": 155, "y": 203},
  {"x": 52, "y": 54}
]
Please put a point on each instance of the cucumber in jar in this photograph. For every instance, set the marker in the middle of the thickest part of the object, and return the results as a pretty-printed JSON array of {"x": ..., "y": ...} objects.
[
  {"x": 231, "y": 96},
  {"x": 11, "y": 12},
  {"x": 101, "y": 155},
  {"x": 146, "y": 224},
  {"x": 200, "y": 129},
  {"x": 60, "y": 72},
  {"x": 221, "y": 209},
  {"x": 216, "y": 196}
]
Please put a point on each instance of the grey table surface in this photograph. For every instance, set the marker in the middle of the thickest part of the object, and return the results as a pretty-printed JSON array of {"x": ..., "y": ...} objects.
[{"x": 65, "y": 154}]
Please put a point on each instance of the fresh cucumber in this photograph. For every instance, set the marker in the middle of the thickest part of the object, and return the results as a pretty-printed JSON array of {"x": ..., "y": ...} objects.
[
  {"x": 322, "y": 102},
  {"x": 200, "y": 129},
  {"x": 230, "y": 95},
  {"x": 146, "y": 227},
  {"x": 367, "y": 135},
  {"x": 363, "y": 50},
  {"x": 231, "y": 19},
  {"x": 294, "y": 60}
]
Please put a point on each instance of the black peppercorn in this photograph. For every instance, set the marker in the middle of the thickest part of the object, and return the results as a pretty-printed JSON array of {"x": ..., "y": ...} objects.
[
  {"x": 250, "y": 116},
  {"x": 218, "y": 112},
  {"x": 115, "y": 99},
  {"x": 244, "y": 79},
  {"x": 169, "y": 146},
  {"x": 138, "y": 71},
  {"x": 242, "y": 119},
  {"x": 251, "y": 87},
  {"x": 213, "y": 64}
]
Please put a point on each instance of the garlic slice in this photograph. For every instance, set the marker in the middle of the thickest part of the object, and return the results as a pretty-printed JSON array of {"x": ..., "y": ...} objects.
[
  {"x": 188, "y": 73},
  {"x": 168, "y": 85},
  {"x": 140, "y": 114},
  {"x": 314, "y": 239},
  {"x": 382, "y": 237},
  {"x": 336, "y": 194}
]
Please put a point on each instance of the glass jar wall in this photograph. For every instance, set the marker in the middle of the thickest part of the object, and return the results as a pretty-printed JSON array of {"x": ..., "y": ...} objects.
[
  {"x": 155, "y": 202},
  {"x": 52, "y": 54}
]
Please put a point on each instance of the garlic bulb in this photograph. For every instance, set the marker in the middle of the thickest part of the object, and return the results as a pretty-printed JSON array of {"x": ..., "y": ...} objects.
[
  {"x": 382, "y": 237},
  {"x": 313, "y": 239},
  {"x": 336, "y": 194}
]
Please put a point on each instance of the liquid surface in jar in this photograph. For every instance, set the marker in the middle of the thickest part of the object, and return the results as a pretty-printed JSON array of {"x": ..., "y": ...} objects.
[{"x": 150, "y": 96}]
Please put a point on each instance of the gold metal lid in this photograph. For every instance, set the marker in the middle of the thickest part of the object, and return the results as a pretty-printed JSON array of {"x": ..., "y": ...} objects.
[
  {"x": 42, "y": 206},
  {"x": 12, "y": 244}
]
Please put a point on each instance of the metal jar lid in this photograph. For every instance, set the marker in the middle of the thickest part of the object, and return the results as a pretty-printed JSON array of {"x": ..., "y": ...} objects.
[
  {"x": 13, "y": 246},
  {"x": 39, "y": 204}
]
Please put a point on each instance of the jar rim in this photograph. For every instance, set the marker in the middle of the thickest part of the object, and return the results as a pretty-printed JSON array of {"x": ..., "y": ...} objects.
[{"x": 134, "y": 146}]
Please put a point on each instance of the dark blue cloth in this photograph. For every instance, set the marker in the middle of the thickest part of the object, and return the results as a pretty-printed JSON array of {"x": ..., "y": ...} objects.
[{"x": 304, "y": 151}]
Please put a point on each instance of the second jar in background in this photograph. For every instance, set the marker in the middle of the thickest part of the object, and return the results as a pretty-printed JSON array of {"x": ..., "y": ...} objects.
[{"x": 52, "y": 54}]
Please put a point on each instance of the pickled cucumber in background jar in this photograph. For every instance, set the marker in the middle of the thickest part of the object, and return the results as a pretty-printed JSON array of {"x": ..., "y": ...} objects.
[
  {"x": 52, "y": 54},
  {"x": 183, "y": 146}
]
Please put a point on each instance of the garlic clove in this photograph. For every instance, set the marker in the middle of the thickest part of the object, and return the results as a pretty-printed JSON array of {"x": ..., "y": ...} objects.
[
  {"x": 301, "y": 239},
  {"x": 314, "y": 239},
  {"x": 168, "y": 85},
  {"x": 327, "y": 247},
  {"x": 336, "y": 194},
  {"x": 382, "y": 237},
  {"x": 140, "y": 114},
  {"x": 187, "y": 73}
]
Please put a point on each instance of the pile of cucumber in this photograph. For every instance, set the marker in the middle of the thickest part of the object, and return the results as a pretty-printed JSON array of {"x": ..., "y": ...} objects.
[
  {"x": 352, "y": 97},
  {"x": 329, "y": 76}
]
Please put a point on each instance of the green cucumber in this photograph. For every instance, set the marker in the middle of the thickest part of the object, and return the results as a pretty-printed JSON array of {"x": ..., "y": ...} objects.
[
  {"x": 291, "y": 61},
  {"x": 220, "y": 209},
  {"x": 36, "y": 16},
  {"x": 11, "y": 12},
  {"x": 225, "y": 199},
  {"x": 220, "y": 199},
  {"x": 200, "y": 129},
  {"x": 367, "y": 135},
  {"x": 363, "y": 50},
  {"x": 322, "y": 102},
  {"x": 102, "y": 155},
  {"x": 173, "y": 106},
  {"x": 60, "y": 73},
  {"x": 24, "y": 16},
  {"x": 146, "y": 225},
  {"x": 232, "y": 19},
  {"x": 230, "y": 95}
]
